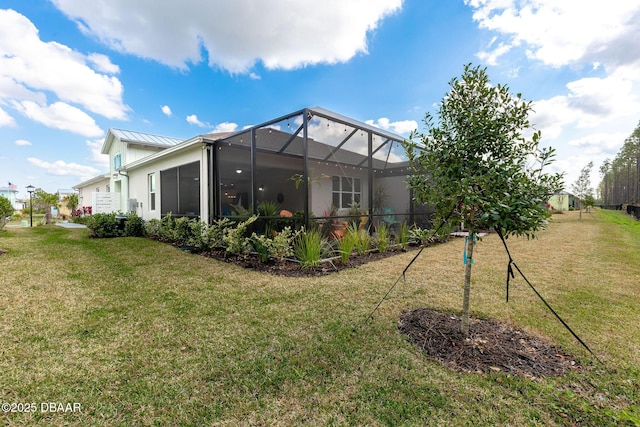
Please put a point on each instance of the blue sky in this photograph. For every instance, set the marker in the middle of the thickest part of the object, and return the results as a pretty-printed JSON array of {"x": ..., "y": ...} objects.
[{"x": 72, "y": 69}]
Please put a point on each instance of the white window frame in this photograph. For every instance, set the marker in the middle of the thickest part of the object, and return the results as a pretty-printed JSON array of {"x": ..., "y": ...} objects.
[
  {"x": 152, "y": 184},
  {"x": 117, "y": 161},
  {"x": 341, "y": 191}
]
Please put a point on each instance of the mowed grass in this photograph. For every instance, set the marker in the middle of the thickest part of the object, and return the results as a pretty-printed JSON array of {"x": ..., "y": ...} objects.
[{"x": 141, "y": 333}]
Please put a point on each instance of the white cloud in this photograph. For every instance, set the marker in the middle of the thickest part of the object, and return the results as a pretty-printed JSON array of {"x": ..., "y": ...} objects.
[
  {"x": 103, "y": 63},
  {"x": 6, "y": 119},
  {"x": 96, "y": 157},
  {"x": 599, "y": 144},
  {"x": 23, "y": 143},
  {"x": 589, "y": 103},
  {"x": 166, "y": 110},
  {"x": 60, "y": 115},
  {"x": 31, "y": 70},
  {"x": 402, "y": 127},
  {"x": 235, "y": 35},
  {"x": 254, "y": 76},
  {"x": 62, "y": 168},
  {"x": 225, "y": 127},
  {"x": 193, "y": 120},
  {"x": 562, "y": 32}
]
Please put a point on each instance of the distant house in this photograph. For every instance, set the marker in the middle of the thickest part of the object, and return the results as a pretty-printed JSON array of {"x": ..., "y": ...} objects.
[
  {"x": 312, "y": 162},
  {"x": 11, "y": 192},
  {"x": 562, "y": 201},
  {"x": 62, "y": 208}
]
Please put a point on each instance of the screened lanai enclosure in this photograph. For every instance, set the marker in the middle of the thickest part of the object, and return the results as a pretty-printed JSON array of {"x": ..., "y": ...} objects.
[{"x": 314, "y": 165}]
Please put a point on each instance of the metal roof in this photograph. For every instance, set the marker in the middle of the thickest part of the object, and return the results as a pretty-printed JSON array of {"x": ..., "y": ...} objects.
[{"x": 146, "y": 138}]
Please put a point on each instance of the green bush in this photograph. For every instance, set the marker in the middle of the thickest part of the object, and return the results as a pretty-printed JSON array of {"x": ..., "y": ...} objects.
[
  {"x": 134, "y": 226},
  {"x": 363, "y": 241},
  {"x": 347, "y": 244},
  {"x": 383, "y": 240},
  {"x": 152, "y": 228},
  {"x": 213, "y": 234},
  {"x": 234, "y": 238},
  {"x": 420, "y": 236},
  {"x": 403, "y": 235},
  {"x": 310, "y": 248},
  {"x": 104, "y": 225},
  {"x": 278, "y": 247}
]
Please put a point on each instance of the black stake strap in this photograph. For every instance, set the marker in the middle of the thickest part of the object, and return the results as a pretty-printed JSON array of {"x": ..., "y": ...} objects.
[
  {"x": 402, "y": 276},
  {"x": 510, "y": 274}
]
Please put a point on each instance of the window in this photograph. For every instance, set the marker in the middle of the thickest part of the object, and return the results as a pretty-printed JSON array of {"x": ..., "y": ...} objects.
[
  {"x": 117, "y": 161},
  {"x": 180, "y": 190},
  {"x": 346, "y": 191},
  {"x": 152, "y": 191}
]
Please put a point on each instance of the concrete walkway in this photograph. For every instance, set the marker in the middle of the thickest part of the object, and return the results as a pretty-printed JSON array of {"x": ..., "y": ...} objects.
[{"x": 66, "y": 224}]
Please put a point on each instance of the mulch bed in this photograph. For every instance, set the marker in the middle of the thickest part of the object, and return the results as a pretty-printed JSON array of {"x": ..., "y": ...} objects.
[
  {"x": 291, "y": 268},
  {"x": 491, "y": 346}
]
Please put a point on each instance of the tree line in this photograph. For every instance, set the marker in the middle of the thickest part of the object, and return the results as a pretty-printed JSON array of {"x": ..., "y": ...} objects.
[{"x": 621, "y": 176}]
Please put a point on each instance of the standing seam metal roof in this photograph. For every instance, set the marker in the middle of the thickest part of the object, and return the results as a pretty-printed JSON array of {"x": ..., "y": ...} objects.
[{"x": 146, "y": 138}]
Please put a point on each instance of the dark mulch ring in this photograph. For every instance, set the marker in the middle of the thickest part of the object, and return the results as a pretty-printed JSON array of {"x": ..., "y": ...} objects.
[
  {"x": 491, "y": 346},
  {"x": 292, "y": 268}
]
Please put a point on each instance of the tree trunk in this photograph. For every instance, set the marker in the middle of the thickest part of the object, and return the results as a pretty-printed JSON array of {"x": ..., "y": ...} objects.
[{"x": 464, "y": 328}]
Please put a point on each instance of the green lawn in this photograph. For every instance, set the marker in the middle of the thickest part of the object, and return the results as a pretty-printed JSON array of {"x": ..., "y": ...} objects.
[{"x": 140, "y": 333}]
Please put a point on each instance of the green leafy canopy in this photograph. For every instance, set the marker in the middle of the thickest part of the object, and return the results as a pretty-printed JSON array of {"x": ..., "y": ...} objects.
[{"x": 481, "y": 160}]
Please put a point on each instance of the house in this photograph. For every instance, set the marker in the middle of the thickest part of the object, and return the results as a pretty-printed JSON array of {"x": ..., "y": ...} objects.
[
  {"x": 351, "y": 169},
  {"x": 562, "y": 201},
  {"x": 62, "y": 209},
  {"x": 11, "y": 192}
]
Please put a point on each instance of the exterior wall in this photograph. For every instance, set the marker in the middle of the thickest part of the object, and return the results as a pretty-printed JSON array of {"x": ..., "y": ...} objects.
[
  {"x": 559, "y": 202},
  {"x": 129, "y": 153},
  {"x": 86, "y": 190},
  {"x": 322, "y": 186},
  {"x": 139, "y": 179}
]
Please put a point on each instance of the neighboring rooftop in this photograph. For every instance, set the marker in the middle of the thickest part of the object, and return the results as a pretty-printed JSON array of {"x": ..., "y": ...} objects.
[{"x": 139, "y": 138}]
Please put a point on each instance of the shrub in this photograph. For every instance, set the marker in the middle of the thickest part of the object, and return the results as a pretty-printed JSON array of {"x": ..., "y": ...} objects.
[
  {"x": 166, "y": 231},
  {"x": 182, "y": 232},
  {"x": 282, "y": 246},
  {"x": 261, "y": 244},
  {"x": 152, "y": 228},
  {"x": 213, "y": 234},
  {"x": 309, "y": 248},
  {"x": 420, "y": 236},
  {"x": 363, "y": 241},
  {"x": 403, "y": 235},
  {"x": 234, "y": 237},
  {"x": 347, "y": 244},
  {"x": 278, "y": 247},
  {"x": 103, "y": 225},
  {"x": 134, "y": 226},
  {"x": 383, "y": 240}
]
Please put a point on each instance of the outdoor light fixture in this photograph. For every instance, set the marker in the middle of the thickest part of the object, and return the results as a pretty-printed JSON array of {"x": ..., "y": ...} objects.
[
  {"x": 30, "y": 189},
  {"x": 238, "y": 170}
]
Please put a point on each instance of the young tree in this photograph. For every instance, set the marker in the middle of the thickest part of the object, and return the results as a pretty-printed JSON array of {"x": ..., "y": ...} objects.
[
  {"x": 581, "y": 187},
  {"x": 6, "y": 210},
  {"x": 476, "y": 164},
  {"x": 46, "y": 201},
  {"x": 71, "y": 201}
]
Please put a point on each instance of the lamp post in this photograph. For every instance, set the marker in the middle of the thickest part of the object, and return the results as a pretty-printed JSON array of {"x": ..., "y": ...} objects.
[{"x": 30, "y": 189}]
